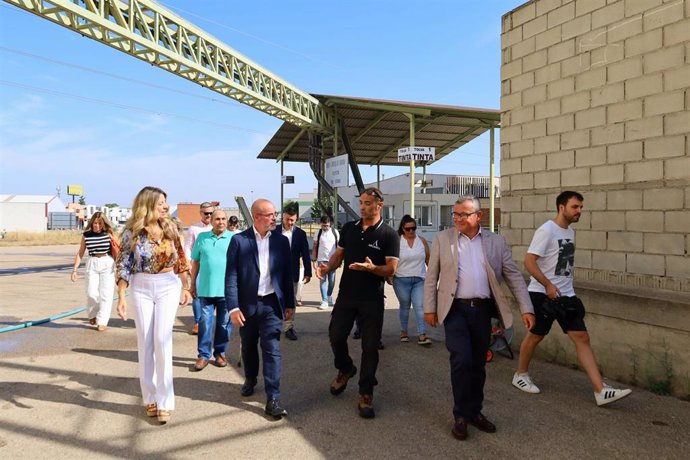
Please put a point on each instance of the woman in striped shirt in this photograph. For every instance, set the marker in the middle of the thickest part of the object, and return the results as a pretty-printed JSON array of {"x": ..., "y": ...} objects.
[{"x": 98, "y": 239}]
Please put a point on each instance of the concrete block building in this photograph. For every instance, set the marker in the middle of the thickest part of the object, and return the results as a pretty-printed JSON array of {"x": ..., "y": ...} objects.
[{"x": 595, "y": 98}]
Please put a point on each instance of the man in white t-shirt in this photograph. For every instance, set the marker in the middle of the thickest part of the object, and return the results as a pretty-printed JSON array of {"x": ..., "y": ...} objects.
[
  {"x": 206, "y": 211},
  {"x": 550, "y": 260},
  {"x": 325, "y": 241}
]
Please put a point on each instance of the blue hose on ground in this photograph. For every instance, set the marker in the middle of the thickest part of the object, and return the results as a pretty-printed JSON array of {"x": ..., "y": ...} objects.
[{"x": 45, "y": 320}]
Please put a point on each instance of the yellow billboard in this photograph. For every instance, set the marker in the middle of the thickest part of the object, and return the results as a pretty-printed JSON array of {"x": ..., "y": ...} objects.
[{"x": 75, "y": 190}]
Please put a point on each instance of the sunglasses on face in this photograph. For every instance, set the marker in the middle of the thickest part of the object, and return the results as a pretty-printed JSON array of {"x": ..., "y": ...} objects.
[
  {"x": 208, "y": 213},
  {"x": 410, "y": 229}
]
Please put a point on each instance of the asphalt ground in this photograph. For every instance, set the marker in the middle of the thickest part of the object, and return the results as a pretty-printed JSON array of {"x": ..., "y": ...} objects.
[{"x": 67, "y": 391}]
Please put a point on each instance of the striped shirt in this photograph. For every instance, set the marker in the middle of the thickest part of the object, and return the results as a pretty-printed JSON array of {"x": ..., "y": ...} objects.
[{"x": 97, "y": 243}]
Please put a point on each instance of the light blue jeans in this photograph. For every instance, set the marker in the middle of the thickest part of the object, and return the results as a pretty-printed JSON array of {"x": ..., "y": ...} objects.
[
  {"x": 410, "y": 290},
  {"x": 327, "y": 284}
]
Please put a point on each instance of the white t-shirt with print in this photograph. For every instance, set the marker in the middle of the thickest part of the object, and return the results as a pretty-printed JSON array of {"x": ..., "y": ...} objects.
[{"x": 555, "y": 247}]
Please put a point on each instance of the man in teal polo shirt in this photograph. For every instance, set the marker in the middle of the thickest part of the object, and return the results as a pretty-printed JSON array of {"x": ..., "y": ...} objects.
[{"x": 209, "y": 257}]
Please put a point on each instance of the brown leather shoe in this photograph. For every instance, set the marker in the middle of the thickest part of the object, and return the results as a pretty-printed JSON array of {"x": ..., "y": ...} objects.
[
  {"x": 483, "y": 424},
  {"x": 200, "y": 364},
  {"x": 459, "y": 429},
  {"x": 194, "y": 330},
  {"x": 220, "y": 361}
]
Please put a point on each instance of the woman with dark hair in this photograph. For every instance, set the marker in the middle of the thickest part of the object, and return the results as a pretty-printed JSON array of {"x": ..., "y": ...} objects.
[
  {"x": 102, "y": 245},
  {"x": 408, "y": 282},
  {"x": 152, "y": 257}
]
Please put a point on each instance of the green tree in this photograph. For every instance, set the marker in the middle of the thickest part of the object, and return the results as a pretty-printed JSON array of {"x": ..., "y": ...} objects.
[
  {"x": 317, "y": 209},
  {"x": 82, "y": 200},
  {"x": 111, "y": 205}
]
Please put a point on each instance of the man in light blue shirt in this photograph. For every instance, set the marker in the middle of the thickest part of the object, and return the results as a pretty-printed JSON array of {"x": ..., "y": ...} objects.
[{"x": 209, "y": 257}]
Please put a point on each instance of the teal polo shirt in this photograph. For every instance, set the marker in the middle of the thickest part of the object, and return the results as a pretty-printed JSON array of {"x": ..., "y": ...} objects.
[{"x": 211, "y": 252}]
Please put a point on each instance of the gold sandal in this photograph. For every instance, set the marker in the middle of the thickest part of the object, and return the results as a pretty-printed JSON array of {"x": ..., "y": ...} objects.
[
  {"x": 164, "y": 415},
  {"x": 151, "y": 409}
]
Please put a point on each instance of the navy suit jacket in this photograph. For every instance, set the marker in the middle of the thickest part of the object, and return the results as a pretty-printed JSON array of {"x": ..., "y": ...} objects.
[
  {"x": 242, "y": 272},
  {"x": 299, "y": 249}
]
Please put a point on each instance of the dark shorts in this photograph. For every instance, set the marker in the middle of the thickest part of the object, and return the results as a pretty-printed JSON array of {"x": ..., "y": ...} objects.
[{"x": 573, "y": 321}]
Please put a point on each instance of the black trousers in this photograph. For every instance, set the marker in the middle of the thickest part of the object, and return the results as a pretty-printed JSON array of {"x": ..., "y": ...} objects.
[
  {"x": 468, "y": 333},
  {"x": 369, "y": 316}
]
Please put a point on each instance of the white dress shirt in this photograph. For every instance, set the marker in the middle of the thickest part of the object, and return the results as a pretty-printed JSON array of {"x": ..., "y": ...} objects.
[
  {"x": 265, "y": 285},
  {"x": 288, "y": 233},
  {"x": 472, "y": 280}
]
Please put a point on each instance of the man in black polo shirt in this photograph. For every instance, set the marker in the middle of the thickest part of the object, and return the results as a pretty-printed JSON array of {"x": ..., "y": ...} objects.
[{"x": 370, "y": 250}]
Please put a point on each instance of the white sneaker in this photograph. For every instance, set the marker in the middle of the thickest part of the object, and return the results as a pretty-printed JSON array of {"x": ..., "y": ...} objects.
[
  {"x": 330, "y": 301},
  {"x": 609, "y": 394},
  {"x": 324, "y": 305},
  {"x": 524, "y": 383}
]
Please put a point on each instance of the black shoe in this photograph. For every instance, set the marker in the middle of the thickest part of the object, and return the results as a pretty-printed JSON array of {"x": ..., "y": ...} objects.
[
  {"x": 483, "y": 424},
  {"x": 459, "y": 429},
  {"x": 339, "y": 384},
  {"x": 274, "y": 409},
  {"x": 290, "y": 334},
  {"x": 357, "y": 335},
  {"x": 365, "y": 404},
  {"x": 248, "y": 387}
]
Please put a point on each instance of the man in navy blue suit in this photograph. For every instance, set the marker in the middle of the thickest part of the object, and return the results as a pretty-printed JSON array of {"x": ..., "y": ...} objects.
[
  {"x": 259, "y": 293},
  {"x": 299, "y": 248}
]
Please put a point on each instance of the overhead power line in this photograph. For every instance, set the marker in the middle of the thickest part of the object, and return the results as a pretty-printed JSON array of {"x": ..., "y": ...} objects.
[{"x": 127, "y": 107}]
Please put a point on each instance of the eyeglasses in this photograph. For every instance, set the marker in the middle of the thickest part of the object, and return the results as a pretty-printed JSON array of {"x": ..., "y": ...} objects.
[
  {"x": 374, "y": 192},
  {"x": 269, "y": 214},
  {"x": 410, "y": 229},
  {"x": 462, "y": 215},
  {"x": 208, "y": 213}
]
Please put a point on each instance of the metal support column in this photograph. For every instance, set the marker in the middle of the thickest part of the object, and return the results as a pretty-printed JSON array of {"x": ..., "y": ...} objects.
[
  {"x": 412, "y": 142},
  {"x": 335, "y": 189},
  {"x": 280, "y": 206},
  {"x": 378, "y": 176},
  {"x": 492, "y": 182}
]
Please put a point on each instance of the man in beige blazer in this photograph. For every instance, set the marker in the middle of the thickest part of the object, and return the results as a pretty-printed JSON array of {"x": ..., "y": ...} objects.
[{"x": 462, "y": 291}]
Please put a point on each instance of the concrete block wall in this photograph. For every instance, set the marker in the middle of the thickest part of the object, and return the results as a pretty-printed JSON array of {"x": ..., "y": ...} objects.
[{"x": 595, "y": 97}]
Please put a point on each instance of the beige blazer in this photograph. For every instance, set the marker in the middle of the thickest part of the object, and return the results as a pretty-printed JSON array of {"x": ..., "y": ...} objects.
[{"x": 442, "y": 275}]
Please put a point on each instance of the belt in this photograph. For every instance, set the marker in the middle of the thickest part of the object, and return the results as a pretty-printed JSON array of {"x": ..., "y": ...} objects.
[
  {"x": 262, "y": 297},
  {"x": 100, "y": 255},
  {"x": 476, "y": 302}
]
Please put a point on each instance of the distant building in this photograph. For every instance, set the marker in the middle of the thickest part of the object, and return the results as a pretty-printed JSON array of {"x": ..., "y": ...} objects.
[
  {"x": 433, "y": 204},
  {"x": 305, "y": 201},
  {"x": 28, "y": 213}
]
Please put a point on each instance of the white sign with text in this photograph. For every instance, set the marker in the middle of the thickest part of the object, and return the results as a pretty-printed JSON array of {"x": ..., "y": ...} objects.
[
  {"x": 337, "y": 174},
  {"x": 417, "y": 154}
]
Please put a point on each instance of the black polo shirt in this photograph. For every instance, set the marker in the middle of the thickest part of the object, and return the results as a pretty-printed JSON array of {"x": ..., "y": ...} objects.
[{"x": 376, "y": 242}]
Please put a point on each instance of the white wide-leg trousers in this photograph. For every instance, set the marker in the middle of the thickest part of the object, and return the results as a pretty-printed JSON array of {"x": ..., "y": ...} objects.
[
  {"x": 100, "y": 283},
  {"x": 154, "y": 300}
]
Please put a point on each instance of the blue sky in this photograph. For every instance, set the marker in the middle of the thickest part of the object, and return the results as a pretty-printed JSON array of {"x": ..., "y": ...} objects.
[{"x": 75, "y": 111}]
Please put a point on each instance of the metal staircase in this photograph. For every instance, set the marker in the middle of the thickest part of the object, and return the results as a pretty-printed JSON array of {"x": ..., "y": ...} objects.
[
  {"x": 244, "y": 210},
  {"x": 315, "y": 150}
]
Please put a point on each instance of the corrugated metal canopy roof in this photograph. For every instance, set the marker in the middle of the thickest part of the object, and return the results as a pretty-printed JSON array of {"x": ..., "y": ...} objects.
[{"x": 378, "y": 128}]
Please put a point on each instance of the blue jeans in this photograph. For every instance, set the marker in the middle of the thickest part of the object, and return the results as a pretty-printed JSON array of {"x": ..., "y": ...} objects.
[
  {"x": 410, "y": 290},
  {"x": 327, "y": 284},
  {"x": 213, "y": 309},
  {"x": 196, "y": 305}
]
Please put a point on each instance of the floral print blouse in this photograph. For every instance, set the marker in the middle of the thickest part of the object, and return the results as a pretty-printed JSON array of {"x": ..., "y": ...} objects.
[{"x": 149, "y": 256}]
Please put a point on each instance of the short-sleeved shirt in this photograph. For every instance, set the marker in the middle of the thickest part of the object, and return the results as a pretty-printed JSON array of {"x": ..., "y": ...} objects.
[
  {"x": 211, "y": 252},
  {"x": 378, "y": 242},
  {"x": 555, "y": 247}
]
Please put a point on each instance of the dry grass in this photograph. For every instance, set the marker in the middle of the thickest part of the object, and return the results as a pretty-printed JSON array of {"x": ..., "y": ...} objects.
[{"x": 41, "y": 238}]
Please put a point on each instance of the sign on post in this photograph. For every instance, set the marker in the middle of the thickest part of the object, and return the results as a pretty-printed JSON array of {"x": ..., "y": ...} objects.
[
  {"x": 416, "y": 154},
  {"x": 287, "y": 179},
  {"x": 336, "y": 171}
]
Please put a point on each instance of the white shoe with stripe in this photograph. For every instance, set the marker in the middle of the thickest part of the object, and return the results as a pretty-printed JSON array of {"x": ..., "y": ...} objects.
[
  {"x": 524, "y": 383},
  {"x": 609, "y": 394}
]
